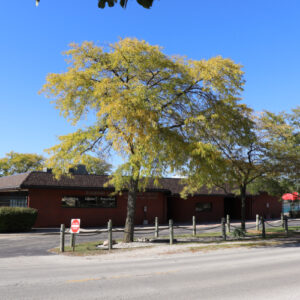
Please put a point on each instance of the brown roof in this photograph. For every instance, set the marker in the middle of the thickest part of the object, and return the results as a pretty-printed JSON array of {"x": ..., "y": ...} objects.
[
  {"x": 175, "y": 186},
  {"x": 13, "y": 181},
  {"x": 47, "y": 180}
]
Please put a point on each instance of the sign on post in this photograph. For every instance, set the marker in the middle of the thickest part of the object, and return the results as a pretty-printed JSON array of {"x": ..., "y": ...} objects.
[{"x": 75, "y": 226}]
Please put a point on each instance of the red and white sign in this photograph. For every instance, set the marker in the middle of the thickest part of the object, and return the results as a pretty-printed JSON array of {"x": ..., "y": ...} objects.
[{"x": 75, "y": 226}]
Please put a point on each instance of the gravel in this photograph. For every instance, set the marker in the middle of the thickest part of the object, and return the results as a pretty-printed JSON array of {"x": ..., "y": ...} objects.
[{"x": 122, "y": 245}]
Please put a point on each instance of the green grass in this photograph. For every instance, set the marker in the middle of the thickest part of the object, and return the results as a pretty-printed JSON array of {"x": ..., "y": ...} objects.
[
  {"x": 198, "y": 235},
  {"x": 82, "y": 249},
  {"x": 280, "y": 229},
  {"x": 251, "y": 235},
  {"x": 89, "y": 248},
  {"x": 253, "y": 239}
]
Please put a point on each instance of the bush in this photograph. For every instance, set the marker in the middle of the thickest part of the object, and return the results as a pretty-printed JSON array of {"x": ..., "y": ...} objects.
[
  {"x": 17, "y": 219},
  {"x": 239, "y": 233}
]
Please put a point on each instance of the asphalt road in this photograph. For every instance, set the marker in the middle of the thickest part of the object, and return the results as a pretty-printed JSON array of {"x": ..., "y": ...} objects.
[
  {"x": 256, "y": 273},
  {"x": 39, "y": 242}
]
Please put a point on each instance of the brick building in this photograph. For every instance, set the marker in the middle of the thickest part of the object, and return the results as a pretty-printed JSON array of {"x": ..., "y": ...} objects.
[{"x": 86, "y": 197}]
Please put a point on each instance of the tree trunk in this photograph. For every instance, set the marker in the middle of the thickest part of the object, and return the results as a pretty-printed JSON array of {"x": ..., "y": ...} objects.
[
  {"x": 129, "y": 225},
  {"x": 243, "y": 206}
]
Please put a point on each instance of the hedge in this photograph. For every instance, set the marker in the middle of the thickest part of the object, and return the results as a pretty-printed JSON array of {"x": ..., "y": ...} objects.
[{"x": 17, "y": 219}]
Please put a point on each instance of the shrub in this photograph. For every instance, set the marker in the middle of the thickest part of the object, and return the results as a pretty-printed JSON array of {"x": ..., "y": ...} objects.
[
  {"x": 17, "y": 219},
  {"x": 239, "y": 233}
]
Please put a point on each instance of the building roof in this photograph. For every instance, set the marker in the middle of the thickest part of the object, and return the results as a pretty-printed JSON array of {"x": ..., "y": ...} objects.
[
  {"x": 13, "y": 181},
  {"x": 46, "y": 180}
]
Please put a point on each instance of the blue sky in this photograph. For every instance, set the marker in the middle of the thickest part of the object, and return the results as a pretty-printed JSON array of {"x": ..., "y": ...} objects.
[{"x": 263, "y": 36}]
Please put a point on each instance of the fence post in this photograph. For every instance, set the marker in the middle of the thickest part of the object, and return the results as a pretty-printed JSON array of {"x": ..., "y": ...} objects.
[
  {"x": 257, "y": 222},
  {"x": 263, "y": 230},
  {"x": 223, "y": 229},
  {"x": 171, "y": 231},
  {"x": 109, "y": 233},
  {"x": 62, "y": 238},
  {"x": 194, "y": 226},
  {"x": 286, "y": 225},
  {"x": 156, "y": 234},
  {"x": 73, "y": 241},
  {"x": 228, "y": 223},
  {"x": 282, "y": 220}
]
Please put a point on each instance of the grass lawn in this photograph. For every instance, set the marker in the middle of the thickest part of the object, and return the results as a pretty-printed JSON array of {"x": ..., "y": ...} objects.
[
  {"x": 252, "y": 239},
  {"x": 90, "y": 248}
]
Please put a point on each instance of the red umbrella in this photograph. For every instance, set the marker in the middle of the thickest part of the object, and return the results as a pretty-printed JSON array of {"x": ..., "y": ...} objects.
[{"x": 288, "y": 196}]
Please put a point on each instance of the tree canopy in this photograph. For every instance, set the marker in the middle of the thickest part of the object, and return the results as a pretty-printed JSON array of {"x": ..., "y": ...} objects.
[
  {"x": 95, "y": 165},
  {"x": 138, "y": 102},
  {"x": 15, "y": 163},
  {"x": 285, "y": 151},
  {"x": 254, "y": 149}
]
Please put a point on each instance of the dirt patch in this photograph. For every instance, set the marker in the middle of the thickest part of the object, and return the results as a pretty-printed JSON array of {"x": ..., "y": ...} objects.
[{"x": 206, "y": 248}]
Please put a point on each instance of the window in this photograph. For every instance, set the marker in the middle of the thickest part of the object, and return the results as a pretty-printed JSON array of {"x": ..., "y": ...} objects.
[
  {"x": 89, "y": 201},
  {"x": 13, "y": 200},
  {"x": 203, "y": 206}
]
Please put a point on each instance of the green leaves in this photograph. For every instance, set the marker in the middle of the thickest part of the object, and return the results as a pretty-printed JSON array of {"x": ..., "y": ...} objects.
[
  {"x": 123, "y": 3},
  {"x": 145, "y": 105},
  {"x": 14, "y": 163},
  {"x": 261, "y": 151},
  {"x": 145, "y": 3},
  {"x": 111, "y": 3}
]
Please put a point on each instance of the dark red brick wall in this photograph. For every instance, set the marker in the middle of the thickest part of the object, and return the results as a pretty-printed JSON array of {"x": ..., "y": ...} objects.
[
  {"x": 48, "y": 203},
  {"x": 183, "y": 210},
  {"x": 50, "y": 212},
  {"x": 264, "y": 205}
]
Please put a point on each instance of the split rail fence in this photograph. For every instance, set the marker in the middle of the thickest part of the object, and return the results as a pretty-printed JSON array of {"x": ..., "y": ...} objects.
[{"x": 225, "y": 229}]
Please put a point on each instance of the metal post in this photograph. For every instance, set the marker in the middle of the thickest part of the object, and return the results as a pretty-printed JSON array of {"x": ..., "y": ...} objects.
[
  {"x": 282, "y": 220},
  {"x": 194, "y": 226},
  {"x": 286, "y": 225},
  {"x": 109, "y": 232},
  {"x": 223, "y": 229},
  {"x": 171, "y": 231},
  {"x": 228, "y": 223},
  {"x": 62, "y": 238},
  {"x": 263, "y": 230},
  {"x": 156, "y": 234},
  {"x": 73, "y": 241},
  {"x": 257, "y": 222}
]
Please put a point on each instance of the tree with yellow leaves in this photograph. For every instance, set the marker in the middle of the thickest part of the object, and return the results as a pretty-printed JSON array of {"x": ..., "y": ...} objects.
[
  {"x": 138, "y": 102},
  {"x": 15, "y": 163}
]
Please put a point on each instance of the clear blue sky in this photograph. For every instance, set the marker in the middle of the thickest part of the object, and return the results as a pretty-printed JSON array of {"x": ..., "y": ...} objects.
[{"x": 263, "y": 36}]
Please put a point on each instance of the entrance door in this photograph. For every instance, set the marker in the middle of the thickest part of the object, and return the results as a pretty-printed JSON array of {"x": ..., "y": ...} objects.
[
  {"x": 232, "y": 207},
  {"x": 169, "y": 208}
]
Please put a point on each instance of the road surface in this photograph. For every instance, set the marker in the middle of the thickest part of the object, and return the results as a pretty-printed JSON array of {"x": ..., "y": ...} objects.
[{"x": 239, "y": 273}]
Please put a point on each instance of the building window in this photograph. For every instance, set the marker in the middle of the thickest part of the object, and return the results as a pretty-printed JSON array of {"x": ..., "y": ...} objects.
[
  {"x": 89, "y": 201},
  {"x": 13, "y": 201},
  {"x": 203, "y": 206}
]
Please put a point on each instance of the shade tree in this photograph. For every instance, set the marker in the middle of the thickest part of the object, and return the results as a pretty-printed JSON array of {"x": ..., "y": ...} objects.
[
  {"x": 138, "y": 102},
  {"x": 253, "y": 149},
  {"x": 15, "y": 163},
  {"x": 285, "y": 150}
]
